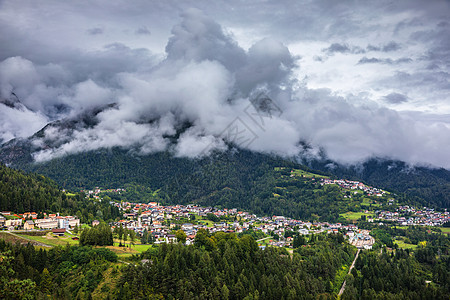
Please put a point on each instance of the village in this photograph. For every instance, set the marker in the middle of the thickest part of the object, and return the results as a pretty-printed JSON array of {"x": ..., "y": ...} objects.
[
  {"x": 410, "y": 216},
  {"x": 161, "y": 222},
  {"x": 354, "y": 185}
]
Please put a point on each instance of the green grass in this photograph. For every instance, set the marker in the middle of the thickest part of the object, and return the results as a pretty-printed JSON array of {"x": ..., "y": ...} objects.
[
  {"x": 353, "y": 216},
  {"x": 445, "y": 229},
  {"x": 137, "y": 246},
  {"x": 307, "y": 174},
  {"x": 208, "y": 223},
  {"x": 402, "y": 245},
  {"x": 304, "y": 173},
  {"x": 51, "y": 240},
  {"x": 141, "y": 248},
  {"x": 11, "y": 217}
]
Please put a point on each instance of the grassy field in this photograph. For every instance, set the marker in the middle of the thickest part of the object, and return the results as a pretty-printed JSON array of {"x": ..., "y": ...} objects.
[
  {"x": 136, "y": 249},
  {"x": 308, "y": 174},
  {"x": 303, "y": 173},
  {"x": 353, "y": 216},
  {"x": 401, "y": 244},
  {"x": 10, "y": 238},
  {"x": 445, "y": 229},
  {"x": 52, "y": 240},
  {"x": 368, "y": 202},
  {"x": 206, "y": 222}
]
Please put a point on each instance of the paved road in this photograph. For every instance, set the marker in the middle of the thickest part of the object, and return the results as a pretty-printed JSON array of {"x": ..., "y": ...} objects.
[{"x": 351, "y": 267}]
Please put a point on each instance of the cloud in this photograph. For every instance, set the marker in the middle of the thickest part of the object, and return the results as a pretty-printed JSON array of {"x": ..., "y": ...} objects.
[
  {"x": 387, "y": 61},
  {"x": 389, "y": 47},
  {"x": 395, "y": 98},
  {"x": 198, "y": 37},
  {"x": 143, "y": 30},
  {"x": 336, "y": 47},
  {"x": 343, "y": 48},
  {"x": 202, "y": 86},
  {"x": 95, "y": 31}
]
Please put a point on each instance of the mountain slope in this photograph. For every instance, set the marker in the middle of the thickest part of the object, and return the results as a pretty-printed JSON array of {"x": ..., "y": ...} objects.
[
  {"x": 427, "y": 186},
  {"x": 20, "y": 192}
]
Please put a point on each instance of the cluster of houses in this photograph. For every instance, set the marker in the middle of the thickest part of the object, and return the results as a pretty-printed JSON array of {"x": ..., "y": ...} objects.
[
  {"x": 407, "y": 216},
  {"x": 95, "y": 192},
  {"x": 354, "y": 185},
  {"x": 30, "y": 221},
  {"x": 160, "y": 221}
]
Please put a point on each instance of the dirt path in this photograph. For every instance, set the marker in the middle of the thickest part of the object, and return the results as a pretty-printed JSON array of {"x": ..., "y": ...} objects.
[{"x": 349, "y": 270}]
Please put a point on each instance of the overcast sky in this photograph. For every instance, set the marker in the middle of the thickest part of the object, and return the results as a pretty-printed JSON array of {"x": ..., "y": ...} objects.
[{"x": 355, "y": 79}]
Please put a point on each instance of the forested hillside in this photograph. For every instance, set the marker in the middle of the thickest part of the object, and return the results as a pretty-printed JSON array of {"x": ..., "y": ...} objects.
[
  {"x": 22, "y": 192},
  {"x": 225, "y": 267}
]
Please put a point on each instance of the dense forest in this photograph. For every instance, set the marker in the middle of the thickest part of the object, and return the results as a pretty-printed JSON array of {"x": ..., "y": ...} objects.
[
  {"x": 225, "y": 266},
  {"x": 59, "y": 273},
  {"x": 21, "y": 192},
  {"x": 26, "y": 192},
  {"x": 222, "y": 266}
]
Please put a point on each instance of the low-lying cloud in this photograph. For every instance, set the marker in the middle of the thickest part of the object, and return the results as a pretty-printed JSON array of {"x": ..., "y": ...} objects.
[{"x": 210, "y": 91}]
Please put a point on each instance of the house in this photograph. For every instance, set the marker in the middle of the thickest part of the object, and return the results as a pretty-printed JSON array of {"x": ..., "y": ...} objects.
[
  {"x": 59, "y": 231},
  {"x": 63, "y": 223},
  {"x": 187, "y": 227},
  {"x": 170, "y": 238},
  {"x": 2, "y": 220},
  {"x": 95, "y": 223},
  {"x": 303, "y": 231},
  {"x": 73, "y": 222},
  {"x": 13, "y": 222},
  {"x": 46, "y": 223},
  {"x": 28, "y": 225}
]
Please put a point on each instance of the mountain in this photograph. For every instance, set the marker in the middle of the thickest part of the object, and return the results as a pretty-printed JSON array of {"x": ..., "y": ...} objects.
[{"x": 232, "y": 178}]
